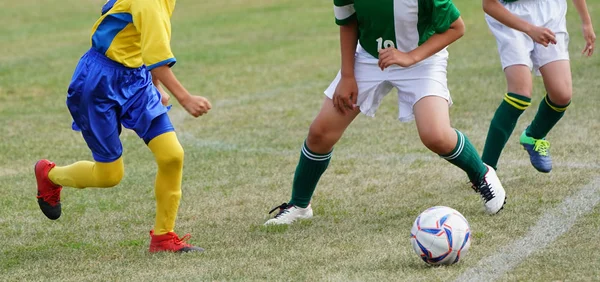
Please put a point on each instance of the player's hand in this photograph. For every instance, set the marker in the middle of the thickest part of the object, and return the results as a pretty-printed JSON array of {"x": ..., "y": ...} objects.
[
  {"x": 542, "y": 35},
  {"x": 393, "y": 56},
  {"x": 590, "y": 39},
  {"x": 196, "y": 105},
  {"x": 164, "y": 98},
  {"x": 345, "y": 95}
]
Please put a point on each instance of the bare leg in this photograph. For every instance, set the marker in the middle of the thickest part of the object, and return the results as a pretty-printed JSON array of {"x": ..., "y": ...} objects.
[{"x": 328, "y": 127}]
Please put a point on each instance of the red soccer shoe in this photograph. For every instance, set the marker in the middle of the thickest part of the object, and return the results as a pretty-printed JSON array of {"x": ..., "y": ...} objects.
[
  {"x": 170, "y": 242},
  {"x": 48, "y": 194}
]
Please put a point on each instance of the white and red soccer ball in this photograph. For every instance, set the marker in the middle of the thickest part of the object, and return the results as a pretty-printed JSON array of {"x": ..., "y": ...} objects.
[{"x": 440, "y": 235}]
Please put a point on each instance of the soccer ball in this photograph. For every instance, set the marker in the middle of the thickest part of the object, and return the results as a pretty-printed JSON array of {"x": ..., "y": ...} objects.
[{"x": 440, "y": 235}]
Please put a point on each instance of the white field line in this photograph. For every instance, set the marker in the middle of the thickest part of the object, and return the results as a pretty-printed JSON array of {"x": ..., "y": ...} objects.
[
  {"x": 191, "y": 140},
  {"x": 4, "y": 171},
  {"x": 177, "y": 117},
  {"x": 304, "y": 86},
  {"x": 550, "y": 226}
]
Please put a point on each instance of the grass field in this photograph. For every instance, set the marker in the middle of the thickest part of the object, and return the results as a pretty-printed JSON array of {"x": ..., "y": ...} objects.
[{"x": 264, "y": 65}]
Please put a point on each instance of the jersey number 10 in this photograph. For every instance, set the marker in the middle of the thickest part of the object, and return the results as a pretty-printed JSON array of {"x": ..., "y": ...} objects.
[{"x": 384, "y": 44}]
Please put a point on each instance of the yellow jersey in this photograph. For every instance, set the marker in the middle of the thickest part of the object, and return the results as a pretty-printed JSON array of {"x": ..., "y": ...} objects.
[{"x": 135, "y": 32}]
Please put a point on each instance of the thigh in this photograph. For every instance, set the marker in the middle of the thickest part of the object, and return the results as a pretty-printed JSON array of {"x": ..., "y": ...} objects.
[
  {"x": 331, "y": 120},
  {"x": 518, "y": 80},
  {"x": 431, "y": 113},
  {"x": 328, "y": 127},
  {"x": 433, "y": 124},
  {"x": 558, "y": 81}
]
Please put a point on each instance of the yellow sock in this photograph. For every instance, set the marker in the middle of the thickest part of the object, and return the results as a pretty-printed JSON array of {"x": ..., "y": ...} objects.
[
  {"x": 169, "y": 158},
  {"x": 86, "y": 174}
]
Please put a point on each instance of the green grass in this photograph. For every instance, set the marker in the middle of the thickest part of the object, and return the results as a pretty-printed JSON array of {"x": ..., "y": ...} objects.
[{"x": 264, "y": 65}]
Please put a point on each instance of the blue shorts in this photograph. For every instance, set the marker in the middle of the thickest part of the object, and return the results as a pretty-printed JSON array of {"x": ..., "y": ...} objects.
[{"x": 103, "y": 95}]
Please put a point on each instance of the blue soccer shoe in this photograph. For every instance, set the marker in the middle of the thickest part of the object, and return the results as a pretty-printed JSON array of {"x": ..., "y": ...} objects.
[{"x": 539, "y": 152}]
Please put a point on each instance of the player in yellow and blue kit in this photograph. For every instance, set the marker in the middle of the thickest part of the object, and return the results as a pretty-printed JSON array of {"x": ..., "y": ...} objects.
[{"x": 118, "y": 83}]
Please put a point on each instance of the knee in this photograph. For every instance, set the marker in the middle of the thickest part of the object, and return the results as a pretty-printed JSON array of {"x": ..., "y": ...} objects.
[
  {"x": 171, "y": 158},
  {"x": 320, "y": 139},
  {"x": 110, "y": 174},
  {"x": 560, "y": 98},
  {"x": 112, "y": 179},
  {"x": 438, "y": 141},
  {"x": 560, "y": 92}
]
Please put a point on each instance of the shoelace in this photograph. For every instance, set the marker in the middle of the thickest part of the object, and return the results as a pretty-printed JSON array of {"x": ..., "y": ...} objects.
[
  {"x": 541, "y": 146},
  {"x": 182, "y": 240},
  {"x": 52, "y": 197},
  {"x": 484, "y": 189},
  {"x": 283, "y": 208}
]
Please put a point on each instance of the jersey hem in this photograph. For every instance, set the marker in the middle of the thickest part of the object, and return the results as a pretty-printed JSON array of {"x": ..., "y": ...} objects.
[
  {"x": 170, "y": 62},
  {"x": 346, "y": 20}
]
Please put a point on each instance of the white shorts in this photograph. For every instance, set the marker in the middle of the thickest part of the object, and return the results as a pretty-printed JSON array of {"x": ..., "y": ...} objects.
[
  {"x": 517, "y": 48},
  {"x": 427, "y": 78}
]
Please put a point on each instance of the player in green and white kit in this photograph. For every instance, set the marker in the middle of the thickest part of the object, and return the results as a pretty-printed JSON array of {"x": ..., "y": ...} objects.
[
  {"x": 532, "y": 34},
  {"x": 402, "y": 45}
]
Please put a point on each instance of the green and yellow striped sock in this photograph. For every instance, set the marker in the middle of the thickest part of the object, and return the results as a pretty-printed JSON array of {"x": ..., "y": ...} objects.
[
  {"x": 502, "y": 126},
  {"x": 547, "y": 116}
]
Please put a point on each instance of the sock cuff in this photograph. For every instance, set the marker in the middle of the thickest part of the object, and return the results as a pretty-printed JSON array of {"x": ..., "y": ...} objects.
[
  {"x": 460, "y": 145},
  {"x": 518, "y": 101},
  {"x": 306, "y": 152},
  {"x": 555, "y": 107}
]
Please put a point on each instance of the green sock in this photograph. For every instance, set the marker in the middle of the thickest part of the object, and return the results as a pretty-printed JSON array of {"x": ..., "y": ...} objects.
[
  {"x": 466, "y": 157},
  {"x": 547, "y": 116},
  {"x": 308, "y": 172},
  {"x": 502, "y": 126}
]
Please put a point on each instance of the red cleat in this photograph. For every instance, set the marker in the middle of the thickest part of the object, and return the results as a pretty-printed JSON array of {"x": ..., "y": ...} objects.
[
  {"x": 48, "y": 194},
  {"x": 170, "y": 242}
]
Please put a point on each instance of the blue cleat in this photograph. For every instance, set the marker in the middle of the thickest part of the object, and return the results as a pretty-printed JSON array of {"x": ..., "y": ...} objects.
[{"x": 539, "y": 152}]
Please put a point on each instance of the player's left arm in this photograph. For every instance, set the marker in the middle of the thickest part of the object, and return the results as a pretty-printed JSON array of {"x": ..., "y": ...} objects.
[{"x": 588, "y": 28}]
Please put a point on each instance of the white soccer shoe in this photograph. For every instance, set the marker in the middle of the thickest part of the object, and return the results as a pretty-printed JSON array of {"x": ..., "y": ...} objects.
[
  {"x": 491, "y": 191},
  {"x": 289, "y": 213}
]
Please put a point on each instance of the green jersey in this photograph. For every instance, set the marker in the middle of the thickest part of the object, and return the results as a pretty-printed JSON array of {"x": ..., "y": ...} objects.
[{"x": 401, "y": 24}]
